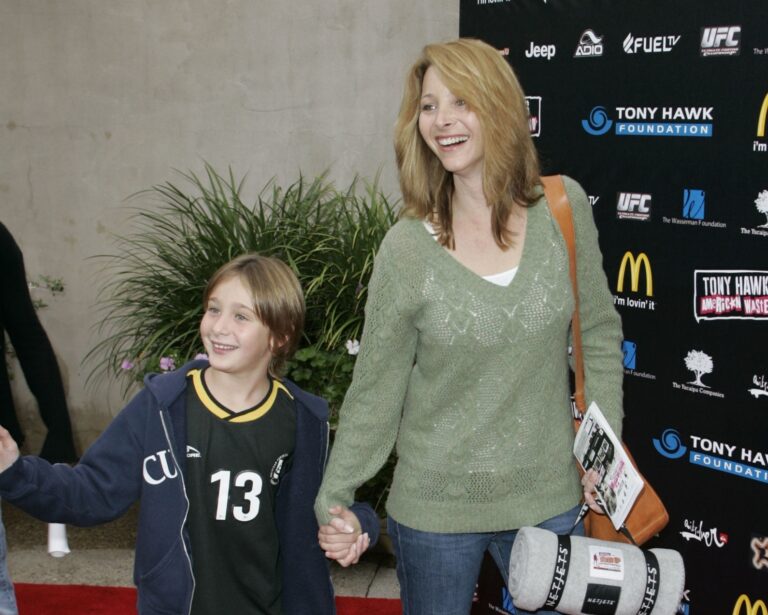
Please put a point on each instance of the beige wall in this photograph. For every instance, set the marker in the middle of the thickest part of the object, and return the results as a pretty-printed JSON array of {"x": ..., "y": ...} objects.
[{"x": 102, "y": 98}]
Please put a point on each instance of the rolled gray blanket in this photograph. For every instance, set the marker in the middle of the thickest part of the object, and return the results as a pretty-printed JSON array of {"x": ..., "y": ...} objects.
[{"x": 577, "y": 575}]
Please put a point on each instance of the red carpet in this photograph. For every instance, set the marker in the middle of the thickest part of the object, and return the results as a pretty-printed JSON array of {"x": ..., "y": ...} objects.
[{"x": 37, "y": 599}]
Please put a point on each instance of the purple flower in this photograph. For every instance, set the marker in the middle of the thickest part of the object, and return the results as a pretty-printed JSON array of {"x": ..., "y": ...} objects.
[
  {"x": 167, "y": 364},
  {"x": 126, "y": 364},
  {"x": 201, "y": 355}
]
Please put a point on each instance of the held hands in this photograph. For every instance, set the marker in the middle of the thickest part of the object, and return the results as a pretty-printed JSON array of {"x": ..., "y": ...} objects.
[
  {"x": 588, "y": 482},
  {"x": 342, "y": 539},
  {"x": 9, "y": 450}
]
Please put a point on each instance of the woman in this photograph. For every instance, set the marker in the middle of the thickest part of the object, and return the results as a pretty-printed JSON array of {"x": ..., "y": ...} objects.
[{"x": 463, "y": 360}]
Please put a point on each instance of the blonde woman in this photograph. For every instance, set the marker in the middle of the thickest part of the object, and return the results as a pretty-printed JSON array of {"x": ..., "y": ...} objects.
[{"x": 463, "y": 361}]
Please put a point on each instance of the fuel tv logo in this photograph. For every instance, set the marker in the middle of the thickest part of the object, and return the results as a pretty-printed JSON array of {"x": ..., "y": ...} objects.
[
  {"x": 720, "y": 41},
  {"x": 650, "y": 44}
]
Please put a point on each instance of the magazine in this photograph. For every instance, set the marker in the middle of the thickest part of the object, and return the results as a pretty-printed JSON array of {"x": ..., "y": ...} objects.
[{"x": 597, "y": 447}]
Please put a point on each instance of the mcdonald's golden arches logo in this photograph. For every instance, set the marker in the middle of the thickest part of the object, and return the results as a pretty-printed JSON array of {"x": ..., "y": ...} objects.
[
  {"x": 634, "y": 274},
  {"x": 750, "y": 608},
  {"x": 761, "y": 117}
]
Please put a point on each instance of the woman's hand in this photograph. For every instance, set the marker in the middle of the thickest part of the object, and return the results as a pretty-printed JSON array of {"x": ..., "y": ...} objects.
[
  {"x": 342, "y": 539},
  {"x": 588, "y": 482}
]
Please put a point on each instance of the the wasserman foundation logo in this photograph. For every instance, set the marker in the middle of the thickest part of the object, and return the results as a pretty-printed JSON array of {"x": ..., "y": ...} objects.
[
  {"x": 711, "y": 454},
  {"x": 694, "y": 209},
  {"x": 651, "y": 121},
  {"x": 629, "y": 350},
  {"x": 740, "y": 294}
]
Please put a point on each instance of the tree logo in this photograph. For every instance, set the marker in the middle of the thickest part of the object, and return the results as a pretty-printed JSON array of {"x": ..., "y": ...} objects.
[
  {"x": 761, "y": 203},
  {"x": 700, "y": 364}
]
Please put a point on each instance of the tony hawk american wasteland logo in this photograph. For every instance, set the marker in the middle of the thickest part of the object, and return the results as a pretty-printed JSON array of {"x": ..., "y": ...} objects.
[{"x": 730, "y": 294}]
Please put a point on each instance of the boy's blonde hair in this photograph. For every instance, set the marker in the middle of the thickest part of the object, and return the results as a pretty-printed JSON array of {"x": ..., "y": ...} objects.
[
  {"x": 475, "y": 72},
  {"x": 278, "y": 300}
]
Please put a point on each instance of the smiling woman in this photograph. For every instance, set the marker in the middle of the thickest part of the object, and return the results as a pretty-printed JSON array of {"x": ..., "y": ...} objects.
[{"x": 463, "y": 359}]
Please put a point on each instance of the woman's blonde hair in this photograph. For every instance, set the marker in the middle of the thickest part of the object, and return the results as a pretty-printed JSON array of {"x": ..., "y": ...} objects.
[
  {"x": 475, "y": 72},
  {"x": 278, "y": 300}
]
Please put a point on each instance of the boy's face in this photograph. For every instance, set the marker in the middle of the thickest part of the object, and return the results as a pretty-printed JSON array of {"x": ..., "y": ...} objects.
[{"x": 236, "y": 341}]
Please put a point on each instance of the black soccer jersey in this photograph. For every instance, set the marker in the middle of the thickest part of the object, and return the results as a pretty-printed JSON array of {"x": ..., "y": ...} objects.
[{"x": 235, "y": 461}]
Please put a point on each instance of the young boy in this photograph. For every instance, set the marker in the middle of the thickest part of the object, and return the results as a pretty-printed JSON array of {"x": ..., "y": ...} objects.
[{"x": 226, "y": 459}]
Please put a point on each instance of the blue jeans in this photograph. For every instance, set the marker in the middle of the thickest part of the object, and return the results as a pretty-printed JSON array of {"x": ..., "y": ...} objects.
[
  {"x": 7, "y": 597},
  {"x": 438, "y": 572}
]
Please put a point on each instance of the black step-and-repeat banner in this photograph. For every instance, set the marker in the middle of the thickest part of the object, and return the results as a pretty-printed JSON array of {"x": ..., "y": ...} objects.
[{"x": 659, "y": 109}]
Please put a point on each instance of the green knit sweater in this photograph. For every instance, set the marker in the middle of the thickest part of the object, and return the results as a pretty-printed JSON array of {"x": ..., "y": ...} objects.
[{"x": 470, "y": 380}]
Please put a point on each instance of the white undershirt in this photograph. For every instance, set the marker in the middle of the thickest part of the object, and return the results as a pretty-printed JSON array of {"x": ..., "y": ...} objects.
[{"x": 500, "y": 279}]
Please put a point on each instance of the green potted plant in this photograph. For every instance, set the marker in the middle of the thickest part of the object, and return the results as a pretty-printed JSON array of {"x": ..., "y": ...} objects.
[{"x": 182, "y": 232}]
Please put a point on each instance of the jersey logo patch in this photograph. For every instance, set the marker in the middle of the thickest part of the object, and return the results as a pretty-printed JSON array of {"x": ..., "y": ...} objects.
[
  {"x": 277, "y": 468},
  {"x": 193, "y": 452}
]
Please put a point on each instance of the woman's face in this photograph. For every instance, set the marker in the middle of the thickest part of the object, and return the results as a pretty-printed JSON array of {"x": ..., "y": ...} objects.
[{"x": 450, "y": 128}]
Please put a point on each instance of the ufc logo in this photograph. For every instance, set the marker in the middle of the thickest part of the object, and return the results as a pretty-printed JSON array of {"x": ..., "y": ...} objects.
[
  {"x": 633, "y": 201},
  {"x": 722, "y": 36}
]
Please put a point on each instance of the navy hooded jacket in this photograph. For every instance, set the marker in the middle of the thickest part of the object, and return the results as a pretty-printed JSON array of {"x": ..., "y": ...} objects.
[{"x": 141, "y": 456}]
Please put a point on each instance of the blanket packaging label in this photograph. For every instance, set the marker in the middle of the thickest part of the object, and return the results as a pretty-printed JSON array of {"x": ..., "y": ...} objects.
[{"x": 606, "y": 563}]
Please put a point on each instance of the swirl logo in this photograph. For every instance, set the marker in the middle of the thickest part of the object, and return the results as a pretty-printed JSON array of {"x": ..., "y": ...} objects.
[
  {"x": 598, "y": 122},
  {"x": 629, "y": 44},
  {"x": 670, "y": 445}
]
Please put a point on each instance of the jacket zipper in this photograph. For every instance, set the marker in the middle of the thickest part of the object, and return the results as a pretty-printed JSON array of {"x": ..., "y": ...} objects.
[{"x": 186, "y": 513}]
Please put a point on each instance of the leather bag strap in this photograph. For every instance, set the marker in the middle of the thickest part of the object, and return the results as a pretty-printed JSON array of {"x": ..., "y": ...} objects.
[{"x": 554, "y": 191}]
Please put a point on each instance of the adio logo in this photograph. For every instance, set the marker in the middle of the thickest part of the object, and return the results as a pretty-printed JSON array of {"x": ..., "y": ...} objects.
[
  {"x": 635, "y": 263},
  {"x": 745, "y": 606}
]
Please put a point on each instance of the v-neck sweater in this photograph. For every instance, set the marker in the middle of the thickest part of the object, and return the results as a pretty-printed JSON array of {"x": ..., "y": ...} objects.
[{"x": 470, "y": 380}]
